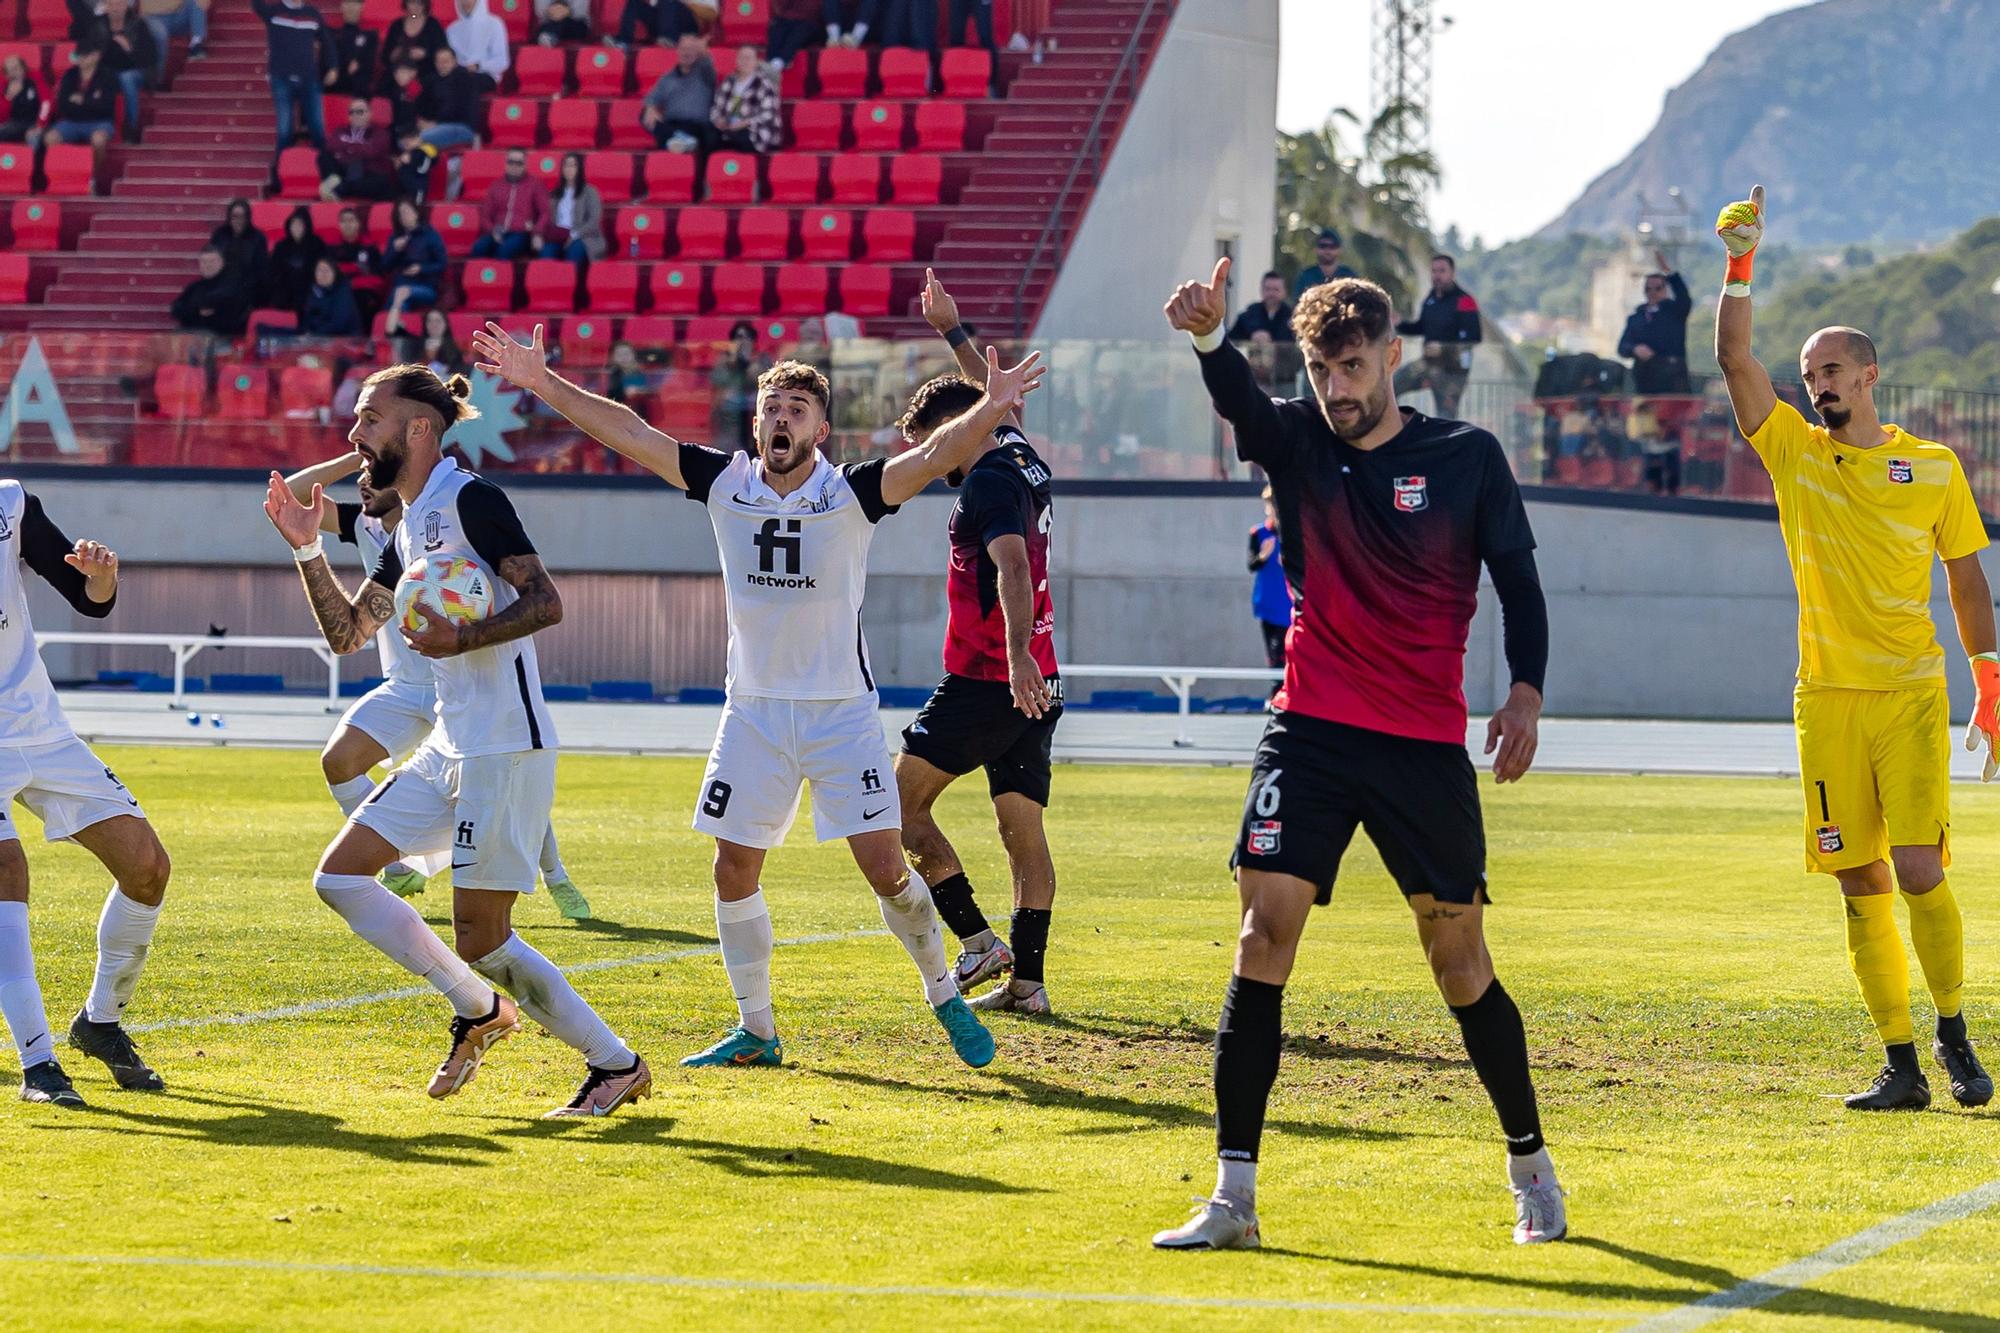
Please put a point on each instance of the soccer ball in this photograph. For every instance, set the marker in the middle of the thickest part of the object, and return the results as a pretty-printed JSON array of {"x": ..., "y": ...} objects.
[{"x": 446, "y": 588}]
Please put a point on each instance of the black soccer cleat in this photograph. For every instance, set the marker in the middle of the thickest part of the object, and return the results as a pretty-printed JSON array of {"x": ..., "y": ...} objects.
[
  {"x": 110, "y": 1043},
  {"x": 1971, "y": 1085},
  {"x": 46, "y": 1083},
  {"x": 1893, "y": 1090}
]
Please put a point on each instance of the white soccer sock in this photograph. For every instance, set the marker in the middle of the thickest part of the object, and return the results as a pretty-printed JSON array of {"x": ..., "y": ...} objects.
[
  {"x": 124, "y": 933},
  {"x": 552, "y": 866},
  {"x": 912, "y": 918},
  {"x": 1237, "y": 1181},
  {"x": 1524, "y": 1170},
  {"x": 541, "y": 989},
  {"x": 393, "y": 926},
  {"x": 20, "y": 997},
  {"x": 743, "y": 928},
  {"x": 350, "y": 794}
]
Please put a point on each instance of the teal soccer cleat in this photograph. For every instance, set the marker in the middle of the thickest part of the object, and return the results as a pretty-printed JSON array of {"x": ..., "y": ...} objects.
[
  {"x": 741, "y": 1047},
  {"x": 969, "y": 1036}
]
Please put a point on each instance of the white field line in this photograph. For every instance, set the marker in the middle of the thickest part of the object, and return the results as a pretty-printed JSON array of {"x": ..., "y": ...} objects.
[
  {"x": 730, "y": 1284},
  {"x": 413, "y": 992},
  {"x": 1787, "y": 1278}
]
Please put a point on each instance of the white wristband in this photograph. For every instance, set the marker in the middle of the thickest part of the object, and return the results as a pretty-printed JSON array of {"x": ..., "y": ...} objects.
[
  {"x": 1741, "y": 289},
  {"x": 312, "y": 552},
  {"x": 1208, "y": 342}
]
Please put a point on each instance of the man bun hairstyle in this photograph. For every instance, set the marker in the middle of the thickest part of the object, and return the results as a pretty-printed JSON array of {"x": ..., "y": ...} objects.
[
  {"x": 937, "y": 401},
  {"x": 797, "y": 377},
  {"x": 450, "y": 399},
  {"x": 1336, "y": 315}
]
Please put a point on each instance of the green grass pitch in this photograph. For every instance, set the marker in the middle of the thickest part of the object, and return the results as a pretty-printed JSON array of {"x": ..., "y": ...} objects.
[{"x": 1688, "y": 1004}]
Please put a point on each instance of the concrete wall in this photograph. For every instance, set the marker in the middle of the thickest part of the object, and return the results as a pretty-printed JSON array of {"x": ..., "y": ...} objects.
[{"x": 1194, "y": 165}]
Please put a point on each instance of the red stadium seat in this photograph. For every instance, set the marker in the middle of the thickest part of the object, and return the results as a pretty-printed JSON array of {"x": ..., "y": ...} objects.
[
  {"x": 653, "y": 61},
  {"x": 547, "y": 167},
  {"x": 304, "y": 390},
  {"x": 17, "y": 169},
  {"x": 803, "y": 289},
  {"x": 732, "y": 178},
  {"x": 843, "y": 74},
  {"x": 906, "y": 72},
  {"x": 68, "y": 167},
  {"x": 489, "y": 287},
  {"x": 326, "y": 218},
  {"x": 600, "y": 72},
  {"x": 298, "y": 173},
  {"x": 575, "y": 123},
  {"x": 513, "y": 122},
  {"x": 792, "y": 85},
  {"x": 379, "y": 14},
  {"x": 745, "y": 22},
  {"x": 652, "y": 333},
  {"x": 707, "y": 340},
  {"x": 243, "y": 393},
  {"x": 816, "y": 127},
  {"x": 669, "y": 177},
  {"x": 49, "y": 20},
  {"x": 702, "y": 234},
  {"x": 940, "y": 127},
  {"x": 723, "y": 58},
  {"x": 794, "y": 178},
  {"x": 611, "y": 173},
  {"x": 826, "y": 234},
  {"x": 641, "y": 233},
  {"x": 477, "y": 170},
  {"x": 625, "y": 130},
  {"x": 613, "y": 286},
  {"x": 13, "y": 279},
  {"x": 855, "y": 179},
  {"x": 967, "y": 72},
  {"x": 457, "y": 225},
  {"x": 518, "y": 15},
  {"x": 551, "y": 285},
  {"x": 37, "y": 224},
  {"x": 878, "y": 126},
  {"x": 540, "y": 71},
  {"x": 268, "y": 216},
  {"x": 585, "y": 342},
  {"x": 685, "y": 405},
  {"x": 676, "y": 289},
  {"x": 916, "y": 178},
  {"x": 271, "y": 318},
  {"x": 865, "y": 289},
  {"x": 888, "y": 234},
  {"x": 763, "y": 233},
  {"x": 182, "y": 390},
  {"x": 738, "y": 288}
]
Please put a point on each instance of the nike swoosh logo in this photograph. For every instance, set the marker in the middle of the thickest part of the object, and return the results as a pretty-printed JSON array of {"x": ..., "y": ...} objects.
[
  {"x": 740, "y": 498},
  {"x": 870, "y": 814},
  {"x": 467, "y": 866}
]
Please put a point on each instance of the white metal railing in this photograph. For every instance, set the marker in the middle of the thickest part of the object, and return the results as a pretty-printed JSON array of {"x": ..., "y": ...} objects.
[
  {"x": 1178, "y": 679},
  {"x": 185, "y": 646}
]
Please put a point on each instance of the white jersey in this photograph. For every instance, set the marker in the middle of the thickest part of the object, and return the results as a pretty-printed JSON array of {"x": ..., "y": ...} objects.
[
  {"x": 794, "y": 569},
  {"x": 400, "y": 662},
  {"x": 29, "y": 713},
  {"x": 489, "y": 701}
]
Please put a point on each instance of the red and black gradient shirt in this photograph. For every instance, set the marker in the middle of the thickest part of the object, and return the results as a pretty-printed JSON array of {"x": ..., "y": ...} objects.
[
  {"x": 1382, "y": 551},
  {"x": 1005, "y": 493}
]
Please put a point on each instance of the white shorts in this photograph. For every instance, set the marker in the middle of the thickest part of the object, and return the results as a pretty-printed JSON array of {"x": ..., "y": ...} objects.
[
  {"x": 490, "y": 812},
  {"x": 67, "y": 787},
  {"x": 397, "y": 715},
  {"x": 766, "y": 747}
]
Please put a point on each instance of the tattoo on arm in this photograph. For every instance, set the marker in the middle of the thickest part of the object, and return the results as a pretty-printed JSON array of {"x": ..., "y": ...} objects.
[
  {"x": 348, "y": 622},
  {"x": 538, "y": 606}
]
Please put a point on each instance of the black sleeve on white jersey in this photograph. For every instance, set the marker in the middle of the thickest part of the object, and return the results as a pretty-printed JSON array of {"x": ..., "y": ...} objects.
[
  {"x": 491, "y": 527},
  {"x": 346, "y": 514},
  {"x": 866, "y": 479},
  {"x": 700, "y": 466},
  {"x": 993, "y": 505},
  {"x": 43, "y": 546},
  {"x": 1502, "y": 520},
  {"x": 388, "y": 569}
]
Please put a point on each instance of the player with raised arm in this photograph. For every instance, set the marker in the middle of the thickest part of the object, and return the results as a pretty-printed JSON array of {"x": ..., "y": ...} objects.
[
  {"x": 47, "y": 768},
  {"x": 1000, "y": 698},
  {"x": 793, "y": 532},
  {"x": 1388, "y": 516},
  {"x": 1865, "y": 507},
  {"x": 391, "y": 720},
  {"x": 481, "y": 784}
]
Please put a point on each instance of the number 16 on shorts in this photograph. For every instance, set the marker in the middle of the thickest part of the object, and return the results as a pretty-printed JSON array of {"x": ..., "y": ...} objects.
[{"x": 1264, "y": 830}]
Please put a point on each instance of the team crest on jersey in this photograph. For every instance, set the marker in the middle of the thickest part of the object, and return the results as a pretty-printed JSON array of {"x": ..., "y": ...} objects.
[
  {"x": 1412, "y": 494},
  {"x": 1901, "y": 472},
  {"x": 1263, "y": 837},
  {"x": 1829, "y": 838},
  {"x": 433, "y": 522}
]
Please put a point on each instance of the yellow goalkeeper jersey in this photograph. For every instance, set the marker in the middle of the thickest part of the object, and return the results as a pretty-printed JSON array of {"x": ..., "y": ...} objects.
[{"x": 1861, "y": 528}]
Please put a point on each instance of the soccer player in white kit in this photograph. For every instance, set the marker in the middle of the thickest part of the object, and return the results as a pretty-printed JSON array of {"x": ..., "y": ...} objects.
[
  {"x": 481, "y": 784},
  {"x": 45, "y": 767},
  {"x": 391, "y": 720},
  {"x": 793, "y": 531}
]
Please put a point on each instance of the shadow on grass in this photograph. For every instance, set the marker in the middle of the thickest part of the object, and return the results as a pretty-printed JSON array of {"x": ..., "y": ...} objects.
[
  {"x": 1143, "y": 1033},
  {"x": 615, "y": 930}
]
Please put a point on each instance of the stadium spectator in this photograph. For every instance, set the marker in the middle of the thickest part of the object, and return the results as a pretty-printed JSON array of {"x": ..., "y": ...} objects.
[
  {"x": 561, "y": 23},
  {"x": 1656, "y": 333},
  {"x": 580, "y": 9},
  {"x": 351, "y": 52},
  {"x": 215, "y": 302},
  {"x": 295, "y": 34},
  {"x": 912, "y": 23},
  {"x": 448, "y": 107},
  {"x": 360, "y": 161},
  {"x": 1326, "y": 265},
  {"x": 431, "y": 345},
  {"x": 416, "y": 37},
  {"x": 1448, "y": 322},
  {"x": 1270, "y": 597},
  {"x": 795, "y": 25},
  {"x": 130, "y": 55},
  {"x": 187, "y": 19},
  {"x": 86, "y": 103},
  {"x": 414, "y": 261},
  {"x": 479, "y": 39},
  {"x": 330, "y": 309},
  {"x": 626, "y": 379},
  {"x": 677, "y": 108},
  {"x": 514, "y": 213},
  {"x": 24, "y": 100},
  {"x": 860, "y": 16},
  {"x": 292, "y": 261},
  {"x": 244, "y": 250},
  {"x": 575, "y": 230},
  {"x": 733, "y": 384},
  {"x": 406, "y": 92},
  {"x": 1271, "y": 315},
  {"x": 360, "y": 262},
  {"x": 979, "y": 13},
  {"x": 745, "y": 112},
  {"x": 664, "y": 22}
]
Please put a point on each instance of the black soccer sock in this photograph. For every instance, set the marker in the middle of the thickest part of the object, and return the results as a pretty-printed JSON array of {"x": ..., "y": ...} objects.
[
  {"x": 1246, "y": 1065},
  {"x": 953, "y": 896},
  {"x": 1902, "y": 1057},
  {"x": 1951, "y": 1030},
  {"x": 1498, "y": 1045},
  {"x": 1029, "y": 938}
]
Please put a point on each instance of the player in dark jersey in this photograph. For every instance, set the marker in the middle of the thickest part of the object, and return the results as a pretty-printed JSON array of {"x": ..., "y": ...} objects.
[
  {"x": 1388, "y": 516},
  {"x": 998, "y": 703}
]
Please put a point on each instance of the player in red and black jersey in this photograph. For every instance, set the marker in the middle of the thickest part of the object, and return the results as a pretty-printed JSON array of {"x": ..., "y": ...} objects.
[
  {"x": 1388, "y": 517},
  {"x": 997, "y": 706}
]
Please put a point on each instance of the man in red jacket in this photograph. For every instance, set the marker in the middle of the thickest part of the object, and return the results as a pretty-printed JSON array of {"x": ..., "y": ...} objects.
[
  {"x": 359, "y": 162},
  {"x": 515, "y": 213}
]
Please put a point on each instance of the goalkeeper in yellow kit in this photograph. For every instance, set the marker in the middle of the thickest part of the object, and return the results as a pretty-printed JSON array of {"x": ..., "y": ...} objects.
[{"x": 1863, "y": 507}]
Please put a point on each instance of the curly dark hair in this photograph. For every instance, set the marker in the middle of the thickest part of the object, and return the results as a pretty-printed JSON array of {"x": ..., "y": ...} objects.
[
  {"x": 1336, "y": 315},
  {"x": 798, "y": 377},
  {"x": 937, "y": 401}
]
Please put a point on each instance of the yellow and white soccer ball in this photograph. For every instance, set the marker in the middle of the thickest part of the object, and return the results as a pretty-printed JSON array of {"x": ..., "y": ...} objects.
[{"x": 443, "y": 588}]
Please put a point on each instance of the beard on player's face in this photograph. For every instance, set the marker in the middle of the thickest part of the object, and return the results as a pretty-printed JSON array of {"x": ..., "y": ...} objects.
[
  {"x": 1833, "y": 417},
  {"x": 785, "y": 441},
  {"x": 385, "y": 460},
  {"x": 377, "y": 501},
  {"x": 1350, "y": 415}
]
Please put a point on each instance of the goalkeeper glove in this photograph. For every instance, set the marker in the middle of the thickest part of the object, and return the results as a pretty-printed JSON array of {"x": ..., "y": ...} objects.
[
  {"x": 1986, "y": 711},
  {"x": 1741, "y": 227}
]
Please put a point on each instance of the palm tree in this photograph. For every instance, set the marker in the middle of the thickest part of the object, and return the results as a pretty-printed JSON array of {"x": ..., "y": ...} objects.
[{"x": 1375, "y": 198}]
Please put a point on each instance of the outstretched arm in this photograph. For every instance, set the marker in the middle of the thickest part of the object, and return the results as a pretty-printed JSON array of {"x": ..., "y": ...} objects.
[
  {"x": 1741, "y": 227},
  {"x": 347, "y": 621},
  {"x": 941, "y": 312},
  {"x": 84, "y": 572},
  {"x": 323, "y": 475},
  {"x": 613, "y": 425},
  {"x": 953, "y": 445}
]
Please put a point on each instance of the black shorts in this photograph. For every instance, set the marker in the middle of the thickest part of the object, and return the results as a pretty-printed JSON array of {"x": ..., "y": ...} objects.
[
  {"x": 1313, "y": 782},
  {"x": 968, "y": 724}
]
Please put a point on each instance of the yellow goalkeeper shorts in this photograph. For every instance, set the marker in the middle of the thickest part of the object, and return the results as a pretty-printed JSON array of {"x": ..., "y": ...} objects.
[{"x": 1875, "y": 767}]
